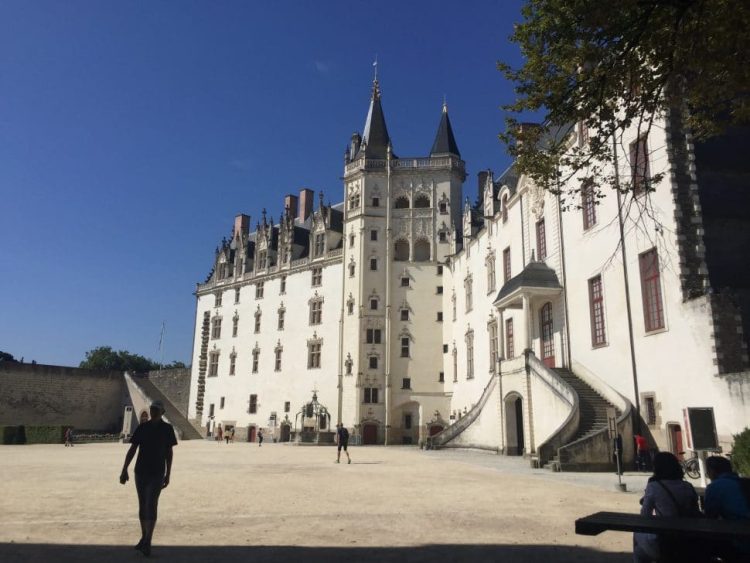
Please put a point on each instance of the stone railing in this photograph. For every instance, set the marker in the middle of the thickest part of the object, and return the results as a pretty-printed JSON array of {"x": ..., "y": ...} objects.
[
  {"x": 407, "y": 163},
  {"x": 439, "y": 440}
]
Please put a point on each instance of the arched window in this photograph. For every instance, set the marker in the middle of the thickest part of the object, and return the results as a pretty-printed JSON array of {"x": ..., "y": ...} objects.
[
  {"x": 401, "y": 251},
  {"x": 422, "y": 201},
  {"x": 402, "y": 202},
  {"x": 505, "y": 208},
  {"x": 421, "y": 251}
]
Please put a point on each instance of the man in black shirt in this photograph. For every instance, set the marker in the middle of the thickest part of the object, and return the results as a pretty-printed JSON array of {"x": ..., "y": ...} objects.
[
  {"x": 342, "y": 437},
  {"x": 154, "y": 441}
]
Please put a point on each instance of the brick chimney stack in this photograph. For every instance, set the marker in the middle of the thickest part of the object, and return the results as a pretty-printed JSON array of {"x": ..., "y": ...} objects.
[
  {"x": 291, "y": 202},
  {"x": 241, "y": 225},
  {"x": 306, "y": 197}
]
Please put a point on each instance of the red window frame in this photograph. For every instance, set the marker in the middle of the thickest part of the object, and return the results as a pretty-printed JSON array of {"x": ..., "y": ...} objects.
[
  {"x": 653, "y": 307},
  {"x": 596, "y": 310},
  {"x": 506, "y": 264},
  {"x": 639, "y": 165},
  {"x": 588, "y": 206},
  {"x": 541, "y": 240}
]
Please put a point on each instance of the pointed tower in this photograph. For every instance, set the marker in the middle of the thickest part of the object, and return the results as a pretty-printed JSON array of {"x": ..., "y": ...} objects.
[
  {"x": 445, "y": 142},
  {"x": 375, "y": 139}
]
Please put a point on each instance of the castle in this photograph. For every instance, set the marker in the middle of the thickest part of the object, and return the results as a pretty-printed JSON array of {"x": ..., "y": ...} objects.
[{"x": 507, "y": 323}]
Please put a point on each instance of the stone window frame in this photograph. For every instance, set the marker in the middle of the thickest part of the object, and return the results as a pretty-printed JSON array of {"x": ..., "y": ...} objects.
[
  {"x": 348, "y": 364},
  {"x": 373, "y": 365},
  {"x": 314, "y": 352},
  {"x": 233, "y": 362},
  {"x": 218, "y": 298},
  {"x": 597, "y": 312},
  {"x": 374, "y": 336},
  {"x": 258, "y": 317},
  {"x": 252, "y": 404},
  {"x": 489, "y": 263},
  {"x": 350, "y": 305},
  {"x": 652, "y": 292},
  {"x": 352, "y": 267},
  {"x": 256, "y": 359},
  {"x": 213, "y": 363},
  {"x": 469, "y": 293},
  {"x": 469, "y": 338},
  {"x": 282, "y": 285},
  {"x": 494, "y": 346},
  {"x": 236, "y": 295},
  {"x": 235, "y": 324},
  {"x": 259, "y": 290},
  {"x": 315, "y": 304},
  {"x": 507, "y": 264},
  {"x": 277, "y": 356},
  {"x": 216, "y": 327},
  {"x": 281, "y": 317},
  {"x": 370, "y": 393},
  {"x": 316, "y": 277},
  {"x": 541, "y": 240}
]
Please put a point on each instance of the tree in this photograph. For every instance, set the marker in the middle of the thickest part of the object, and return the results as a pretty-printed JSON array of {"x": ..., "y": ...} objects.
[
  {"x": 612, "y": 65},
  {"x": 105, "y": 358},
  {"x": 6, "y": 357}
]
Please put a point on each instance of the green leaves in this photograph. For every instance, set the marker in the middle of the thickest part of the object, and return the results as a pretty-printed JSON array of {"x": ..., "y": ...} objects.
[{"x": 105, "y": 358}]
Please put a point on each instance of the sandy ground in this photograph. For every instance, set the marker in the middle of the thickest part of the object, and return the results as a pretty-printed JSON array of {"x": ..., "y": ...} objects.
[{"x": 240, "y": 502}]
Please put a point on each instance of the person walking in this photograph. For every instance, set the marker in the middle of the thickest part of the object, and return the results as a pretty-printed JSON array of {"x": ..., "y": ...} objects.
[
  {"x": 725, "y": 499},
  {"x": 69, "y": 437},
  {"x": 342, "y": 439},
  {"x": 260, "y": 438},
  {"x": 154, "y": 441},
  {"x": 219, "y": 433},
  {"x": 228, "y": 434},
  {"x": 642, "y": 457}
]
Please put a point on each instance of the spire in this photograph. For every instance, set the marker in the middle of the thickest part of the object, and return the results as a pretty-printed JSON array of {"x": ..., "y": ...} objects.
[
  {"x": 445, "y": 142},
  {"x": 375, "y": 137}
]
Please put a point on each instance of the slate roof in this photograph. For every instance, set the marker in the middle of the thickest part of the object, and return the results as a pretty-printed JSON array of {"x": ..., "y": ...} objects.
[
  {"x": 375, "y": 138},
  {"x": 534, "y": 275},
  {"x": 445, "y": 142}
]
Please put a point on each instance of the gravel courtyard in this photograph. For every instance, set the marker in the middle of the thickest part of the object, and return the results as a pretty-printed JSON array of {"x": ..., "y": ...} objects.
[{"x": 240, "y": 502}]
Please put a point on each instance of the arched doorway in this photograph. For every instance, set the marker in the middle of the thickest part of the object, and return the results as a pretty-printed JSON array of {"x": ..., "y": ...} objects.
[
  {"x": 369, "y": 434},
  {"x": 674, "y": 431},
  {"x": 286, "y": 433},
  {"x": 514, "y": 438},
  {"x": 548, "y": 339},
  {"x": 251, "y": 433},
  {"x": 435, "y": 429}
]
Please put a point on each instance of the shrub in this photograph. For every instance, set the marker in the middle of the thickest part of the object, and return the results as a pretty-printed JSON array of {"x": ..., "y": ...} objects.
[
  {"x": 8, "y": 434},
  {"x": 741, "y": 453},
  {"x": 44, "y": 434}
]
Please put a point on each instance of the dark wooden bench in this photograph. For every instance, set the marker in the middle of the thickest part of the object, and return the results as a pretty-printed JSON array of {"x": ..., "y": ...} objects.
[{"x": 680, "y": 534}]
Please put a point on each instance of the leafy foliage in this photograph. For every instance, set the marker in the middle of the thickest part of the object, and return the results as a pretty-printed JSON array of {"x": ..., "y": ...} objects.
[
  {"x": 6, "y": 357},
  {"x": 741, "y": 453},
  {"x": 105, "y": 358},
  {"x": 615, "y": 66}
]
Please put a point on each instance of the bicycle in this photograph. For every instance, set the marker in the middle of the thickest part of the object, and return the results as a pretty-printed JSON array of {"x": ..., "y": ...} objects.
[{"x": 691, "y": 466}]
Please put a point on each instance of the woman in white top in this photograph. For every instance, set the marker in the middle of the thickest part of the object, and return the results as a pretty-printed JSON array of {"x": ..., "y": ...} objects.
[{"x": 667, "y": 494}]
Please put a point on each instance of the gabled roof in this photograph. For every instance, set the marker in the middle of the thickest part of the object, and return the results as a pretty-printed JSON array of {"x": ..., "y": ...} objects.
[
  {"x": 375, "y": 139},
  {"x": 445, "y": 142},
  {"x": 536, "y": 275}
]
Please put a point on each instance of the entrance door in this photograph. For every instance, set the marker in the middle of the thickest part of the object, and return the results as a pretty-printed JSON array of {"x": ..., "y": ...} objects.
[
  {"x": 514, "y": 442},
  {"x": 435, "y": 429},
  {"x": 369, "y": 434},
  {"x": 675, "y": 440},
  {"x": 548, "y": 341},
  {"x": 251, "y": 431},
  {"x": 286, "y": 431}
]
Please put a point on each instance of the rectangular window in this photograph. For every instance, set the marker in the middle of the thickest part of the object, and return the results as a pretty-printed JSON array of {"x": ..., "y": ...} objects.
[
  {"x": 469, "y": 286},
  {"x": 441, "y": 377},
  {"x": 287, "y": 406},
  {"x": 352, "y": 269},
  {"x": 445, "y": 348},
  {"x": 216, "y": 328},
  {"x": 221, "y": 403},
  {"x": 493, "y": 345},
  {"x": 277, "y": 359},
  {"x": 406, "y": 383},
  {"x": 351, "y": 240},
  {"x": 237, "y": 295},
  {"x": 350, "y": 308},
  {"x": 443, "y": 207},
  {"x": 596, "y": 309},
  {"x": 282, "y": 288},
  {"x": 235, "y": 326},
  {"x": 373, "y": 335},
  {"x": 439, "y": 270},
  {"x": 440, "y": 316},
  {"x": 405, "y": 282},
  {"x": 211, "y": 409},
  {"x": 490, "y": 263},
  {"x": 256, "y": 357},
  {"x": 232, "y": 363},
  {"x": 470, "y": 355},
  {"x": 405, "y": 347},
  {"x": 407, "y": 420},
  {"x": 639, "y": 166},
  {"x": 316, "y": 312},
  {"x": 313, "y": 358},
  {"x": 650, "y": 411},
  {"x": 653, "y": 309},
  {"x": 282, "y": 314},
  {"x": 257, "y": 322},
  {"x": 373, "y": 304},
  {"x": 317, "y": 276},
  {"x": 506, "y": 264},
  {"x": 541, "y": 241},
  {"x": 253, "y": 404},
  {"x": 259, "y": 290},
  {"x": 373, "y": 264},
  {"x": 588, "y": 206},
  {"x": 373, "y": 362},
  {"x": 404, "y": 314},
  {"x": 509, "y": 351},
  {"x": 217, "y": 300},
  {"x": 583, "y": 134},
  {"x": 371, "y": 395},
  {"x": 373, "y": 235},
  {"x": 376, "y": 202},
  {"x": 213, "y": 364},
  {"x": 439, "y": 290},
  {"x": 320, "y": 244}
]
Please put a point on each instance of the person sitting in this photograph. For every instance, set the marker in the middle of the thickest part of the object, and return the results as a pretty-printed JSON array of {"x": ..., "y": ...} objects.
[
  {"x": 667, "y": 494},
  {"x": 725, "y": 499}
]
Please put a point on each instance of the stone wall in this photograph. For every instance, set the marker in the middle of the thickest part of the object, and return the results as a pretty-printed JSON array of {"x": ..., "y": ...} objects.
[
  {"x": 36, "y": 394},
  {"x": 175, "y": 384}
]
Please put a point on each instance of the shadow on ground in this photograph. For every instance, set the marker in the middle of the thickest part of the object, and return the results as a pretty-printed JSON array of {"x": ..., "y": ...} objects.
[{"x": 43, "y": 553}]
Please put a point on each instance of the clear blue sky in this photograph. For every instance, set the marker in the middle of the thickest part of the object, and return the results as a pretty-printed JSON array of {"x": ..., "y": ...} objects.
[{"x": 131, "y": 133}]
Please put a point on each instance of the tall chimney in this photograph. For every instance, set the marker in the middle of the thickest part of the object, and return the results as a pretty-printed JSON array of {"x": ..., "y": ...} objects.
[
  {"x": 241, "y": 225},
  {"x": 290, "y": 203},
  {"x": 481, "y": 182},
  {"x": 306, "y": 197}
]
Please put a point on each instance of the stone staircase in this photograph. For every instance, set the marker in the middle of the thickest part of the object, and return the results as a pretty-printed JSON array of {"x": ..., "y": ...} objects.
[
  {"x": 171, "y": 413},
  {"x": 592, "y": 420}
]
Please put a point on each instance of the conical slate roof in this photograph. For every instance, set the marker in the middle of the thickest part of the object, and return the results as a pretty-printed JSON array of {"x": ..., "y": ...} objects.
[
  {"x": 375, "y": 139},
  {"x": 445, "y": 142}
]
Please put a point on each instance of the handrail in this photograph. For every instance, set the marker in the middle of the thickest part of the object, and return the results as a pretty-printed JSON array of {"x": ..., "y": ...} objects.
[{"x": 442, "y": 438}]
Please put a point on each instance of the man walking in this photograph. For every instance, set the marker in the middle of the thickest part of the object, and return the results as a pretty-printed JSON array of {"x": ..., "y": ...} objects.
[
  {"x": 342, "y": 438},
  {"x": 154, "y": 441}
]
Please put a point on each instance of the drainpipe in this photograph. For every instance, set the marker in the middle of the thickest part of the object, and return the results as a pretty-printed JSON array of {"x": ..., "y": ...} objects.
[
  {"x": 529, "y": 409},
  {"x": 523, "y": 233},
  {"x": 567, "y": 355},
  {"x": 345, "y": 244},
  {"x": 388, "y": 297},
  {"x": 637, "y": 422}
]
